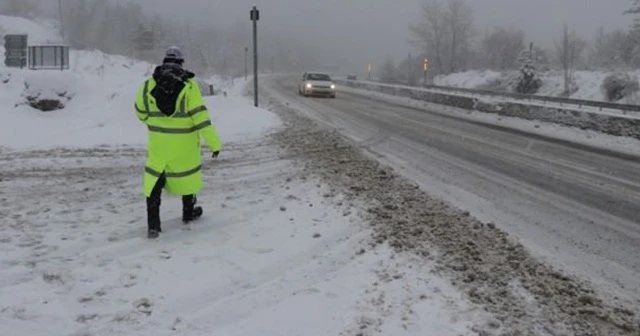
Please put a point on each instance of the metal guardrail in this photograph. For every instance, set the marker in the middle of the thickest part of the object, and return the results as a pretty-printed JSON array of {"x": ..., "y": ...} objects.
[
  {"x": 49, "y": 57},
  {"x": 568, "y": 101}
]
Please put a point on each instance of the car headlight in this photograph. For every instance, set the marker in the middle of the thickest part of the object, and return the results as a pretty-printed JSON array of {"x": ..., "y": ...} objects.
[
  {"x": 309, "y": 85},
  {"x": 333, "y": 87}
]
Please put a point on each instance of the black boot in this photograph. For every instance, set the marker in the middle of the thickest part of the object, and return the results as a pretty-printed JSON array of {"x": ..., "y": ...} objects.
[
  {"x": 153, "y": 221},
  {"x": 190, "y": 212},
  {"x": 153, "y": 209}
]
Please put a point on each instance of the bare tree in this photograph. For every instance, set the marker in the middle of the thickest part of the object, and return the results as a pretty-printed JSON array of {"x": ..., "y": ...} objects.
[
  {"x": 431, "y": 33},
  {"x": 125, "y": 28},
  {"x": 444, "y": 33},
  {"x": 388, "y": 71},
  {"x": 568, "y": 53},
  {"x": 500, "y": 48},
  {"x": 459, "y": 19},
  {"x": 608, "y": 48},
  {"x": 24, "y": 8},
  {"x": 409, "y": 70}
]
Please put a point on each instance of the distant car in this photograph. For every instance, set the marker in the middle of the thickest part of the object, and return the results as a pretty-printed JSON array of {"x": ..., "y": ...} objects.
[
  {"x": 317, "y": 84},
  {"x": 352, "y": 77}
]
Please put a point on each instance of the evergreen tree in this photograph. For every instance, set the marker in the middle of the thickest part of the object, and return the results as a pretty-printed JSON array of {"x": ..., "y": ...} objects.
[{"x": 530, "y": 61}]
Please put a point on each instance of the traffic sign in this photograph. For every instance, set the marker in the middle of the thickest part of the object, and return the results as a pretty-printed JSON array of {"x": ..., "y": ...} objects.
[
  {"x": 15, "y": 47},
  {"x": 255, "y": 14}
]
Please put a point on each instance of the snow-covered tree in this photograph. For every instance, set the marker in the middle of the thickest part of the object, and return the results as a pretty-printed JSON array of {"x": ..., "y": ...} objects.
[
  {"x": 530, "y": 61},
  {"x": 617, "y": 86}
]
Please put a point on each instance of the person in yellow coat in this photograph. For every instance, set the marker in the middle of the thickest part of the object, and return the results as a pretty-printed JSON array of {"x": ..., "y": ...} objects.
[{"x": 170, "y": 104}]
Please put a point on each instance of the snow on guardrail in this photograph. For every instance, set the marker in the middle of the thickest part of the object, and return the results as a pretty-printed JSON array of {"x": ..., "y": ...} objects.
[
  {"x": 583, "y": 105},
  {"x": 620, "y": 121}
]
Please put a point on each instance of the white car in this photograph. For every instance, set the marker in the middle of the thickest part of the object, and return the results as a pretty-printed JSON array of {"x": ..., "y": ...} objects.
[{"x": 317, "y": 84}]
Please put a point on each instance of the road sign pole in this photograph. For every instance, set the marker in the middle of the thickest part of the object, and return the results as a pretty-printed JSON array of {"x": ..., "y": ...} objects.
[{"x": 255, "y": 16}]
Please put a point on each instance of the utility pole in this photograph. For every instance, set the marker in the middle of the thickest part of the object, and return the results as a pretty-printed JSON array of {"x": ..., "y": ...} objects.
[
  {"x": 255, "y": 16},
  {"x": 246, "y": 63}
]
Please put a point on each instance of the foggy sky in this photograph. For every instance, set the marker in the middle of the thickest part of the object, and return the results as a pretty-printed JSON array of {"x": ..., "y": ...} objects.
[{"x": 352, "y": 33}]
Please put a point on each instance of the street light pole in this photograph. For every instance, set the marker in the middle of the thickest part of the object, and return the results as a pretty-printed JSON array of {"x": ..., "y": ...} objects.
[{"x": 255, "y": 16}]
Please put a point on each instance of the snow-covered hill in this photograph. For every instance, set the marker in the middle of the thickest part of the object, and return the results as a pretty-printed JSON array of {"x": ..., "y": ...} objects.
[
  {"x": 588, "y": 83},
  {"x": 43, "y": 32},
  {"x": 97, "y": 91}
]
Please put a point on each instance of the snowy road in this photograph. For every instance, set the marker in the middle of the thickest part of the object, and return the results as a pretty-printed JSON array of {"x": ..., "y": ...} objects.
[{"x": 571, "y": 205}]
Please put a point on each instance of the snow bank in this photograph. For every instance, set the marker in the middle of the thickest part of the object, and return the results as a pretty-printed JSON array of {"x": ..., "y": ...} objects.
[
  {"x": 46, "y": 92},
  {"x": 99, "y": 111},
  {"x": 102, "y": 94},
  {"x": 468, "y": 79},
  {"x": 589, "y": 83}
]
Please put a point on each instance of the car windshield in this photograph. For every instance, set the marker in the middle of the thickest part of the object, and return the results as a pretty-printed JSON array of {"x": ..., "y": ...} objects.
[{"x": 318, "y": 77}]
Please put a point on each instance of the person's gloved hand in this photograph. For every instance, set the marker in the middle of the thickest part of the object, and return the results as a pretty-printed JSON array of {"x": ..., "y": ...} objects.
[{"x": 215, "y": 154}]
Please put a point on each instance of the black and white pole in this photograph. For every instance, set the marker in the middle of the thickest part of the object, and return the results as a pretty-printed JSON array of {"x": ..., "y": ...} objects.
[{"x": 255, "y": 16}]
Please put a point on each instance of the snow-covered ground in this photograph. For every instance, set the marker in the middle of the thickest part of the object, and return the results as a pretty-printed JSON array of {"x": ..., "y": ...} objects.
[
  {"x": 589, "y": 83},
  {"x": 272, "y": 253},
  {"x": 277, "y": 252}
]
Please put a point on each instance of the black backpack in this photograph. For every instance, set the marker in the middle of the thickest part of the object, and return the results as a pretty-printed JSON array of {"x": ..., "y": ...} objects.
[{"x": 170, "y": 80}]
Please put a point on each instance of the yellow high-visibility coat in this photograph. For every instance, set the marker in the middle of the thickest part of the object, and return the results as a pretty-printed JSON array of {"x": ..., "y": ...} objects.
[{"x": 174, "y": 141}]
